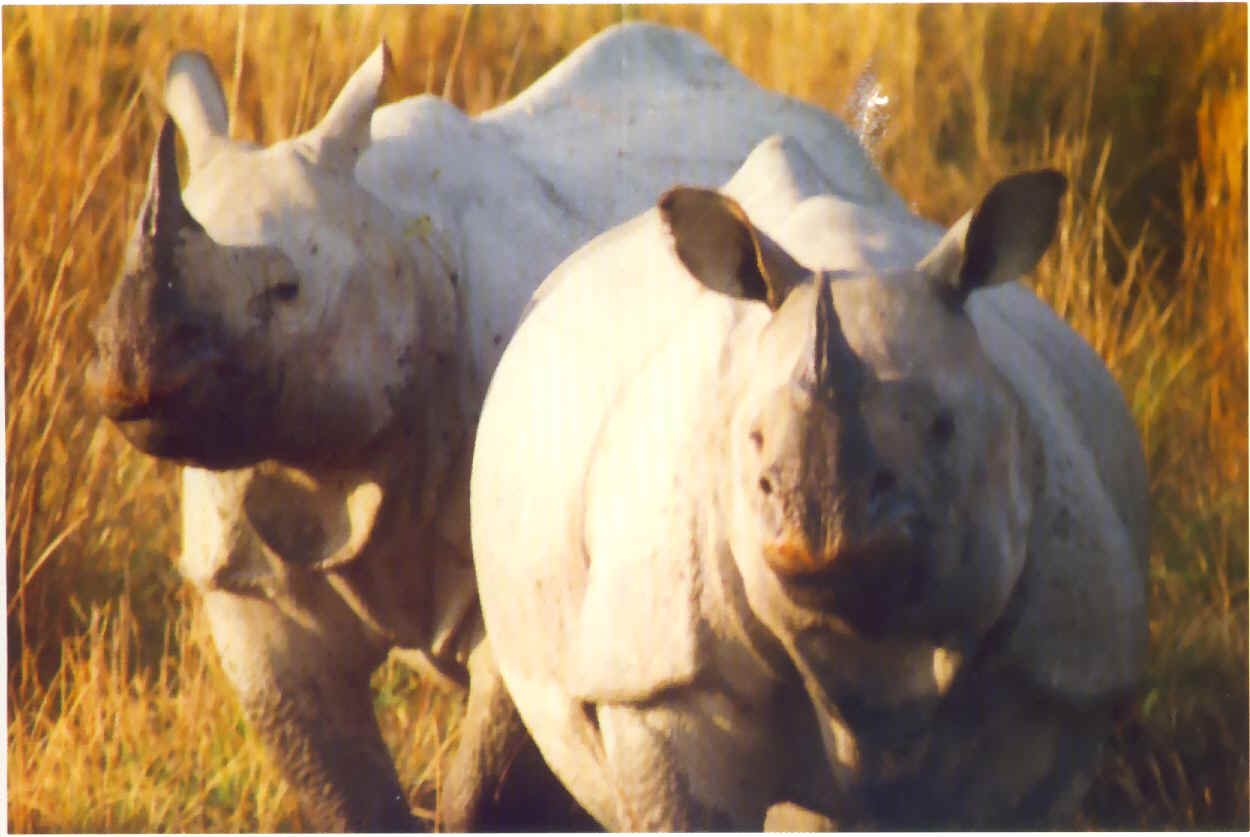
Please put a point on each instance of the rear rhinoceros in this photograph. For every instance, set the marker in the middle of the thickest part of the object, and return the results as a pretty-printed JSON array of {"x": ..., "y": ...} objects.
[
  {"x": 310, "y": 328},
  {"x": 821, "y": 510}
]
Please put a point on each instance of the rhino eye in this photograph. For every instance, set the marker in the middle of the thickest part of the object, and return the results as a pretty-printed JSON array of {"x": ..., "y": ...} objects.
[
  {"x": 943, "y": 427},
  {"x": 757, "y": 439},
  {"x": 285, "y": 291},
  {"x": 766, "y": 486}
]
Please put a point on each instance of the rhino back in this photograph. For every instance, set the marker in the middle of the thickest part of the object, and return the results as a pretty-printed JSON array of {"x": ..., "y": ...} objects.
[
  {"x": 460, "y": 191},
  {"x": 586, "y": 147},
  {"x": 609, "y": 114}
]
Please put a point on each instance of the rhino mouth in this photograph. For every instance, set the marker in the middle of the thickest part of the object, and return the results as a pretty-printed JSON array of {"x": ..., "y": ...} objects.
[
  {"x": 205, "y": 412},
  {"x": 121, "y": 401},
  {"x": 873, "y": 583},
  {"x": 210, "y": 445}
]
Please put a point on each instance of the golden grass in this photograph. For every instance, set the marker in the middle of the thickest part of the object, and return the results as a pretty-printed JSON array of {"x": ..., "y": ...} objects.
[
  {"x": 139, "y": 724},
  {"x": 119, "y": 718}
]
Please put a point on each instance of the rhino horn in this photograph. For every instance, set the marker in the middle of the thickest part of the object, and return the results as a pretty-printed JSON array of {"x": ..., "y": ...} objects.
[
  {"x": 164, "y": 215},
  {"x": 134, "y": 356},
  {"x": 839, "y": 375}
]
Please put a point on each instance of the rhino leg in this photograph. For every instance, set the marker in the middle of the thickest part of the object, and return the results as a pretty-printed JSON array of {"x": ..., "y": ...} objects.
[
  {"x": 1003, "y": 755},
  {"x": 304, "y": 685},
  {"x": 498, "y": 780},
  {"x": 656, "y": 772}
]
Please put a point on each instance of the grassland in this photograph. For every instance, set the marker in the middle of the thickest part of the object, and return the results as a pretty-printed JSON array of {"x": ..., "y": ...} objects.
[{"x": 118, "y": 716}]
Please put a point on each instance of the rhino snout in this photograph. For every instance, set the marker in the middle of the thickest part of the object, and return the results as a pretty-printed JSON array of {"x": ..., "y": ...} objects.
[
  {"x": 872, "y": 572},
  {"x": 133, "y": 375}
]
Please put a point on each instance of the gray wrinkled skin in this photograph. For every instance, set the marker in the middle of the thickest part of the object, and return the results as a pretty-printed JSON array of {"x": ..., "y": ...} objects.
[
  {"x": 309, "y": 327},
  {"x": 781, "y": 501}
]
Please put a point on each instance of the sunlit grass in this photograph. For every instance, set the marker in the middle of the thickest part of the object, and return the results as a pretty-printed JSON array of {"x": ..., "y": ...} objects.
[{"x": 119, "y": 718}]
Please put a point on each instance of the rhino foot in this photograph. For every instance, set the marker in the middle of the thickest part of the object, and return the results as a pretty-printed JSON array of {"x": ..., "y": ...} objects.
[
  {"x": 498, "y": 780},
  {"x": 305, "y": 690}
]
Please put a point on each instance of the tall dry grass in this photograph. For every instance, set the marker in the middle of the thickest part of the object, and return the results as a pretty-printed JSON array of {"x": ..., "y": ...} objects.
[{"x": 119, "y": 718}]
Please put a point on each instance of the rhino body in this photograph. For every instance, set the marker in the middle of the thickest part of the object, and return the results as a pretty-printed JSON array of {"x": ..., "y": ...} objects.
[
  {"x": 310, "y": 327},
  {"x": 779, "y": 497}
]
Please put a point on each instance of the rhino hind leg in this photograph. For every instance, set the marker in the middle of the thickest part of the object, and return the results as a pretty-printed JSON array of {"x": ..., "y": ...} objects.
[
  {"x": 498, "y": 780},
  {"x": 304, "y": 686}
]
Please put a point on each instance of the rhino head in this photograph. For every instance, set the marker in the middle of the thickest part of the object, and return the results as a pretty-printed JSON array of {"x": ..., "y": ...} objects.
[
  {"x": 881, "y": 469},
  {"x": 273, "y": 310}
]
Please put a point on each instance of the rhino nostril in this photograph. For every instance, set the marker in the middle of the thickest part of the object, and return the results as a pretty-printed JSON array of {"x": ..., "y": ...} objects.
[
  {"x": 185, "y": 334},
  {"x": 189, "y": 342},
  {"x": 914, "y": 582},
  {"x": 892, "y": 507},
  {"x": 766, "y": 485},
  {"x": 882, "y": 483},
  {"x": 943, "y": 427}
]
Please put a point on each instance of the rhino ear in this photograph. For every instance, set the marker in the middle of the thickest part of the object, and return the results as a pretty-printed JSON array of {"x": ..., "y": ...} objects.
[
  {"x": 1001, "y": 239},
  {"x": 722, "y": 249},
  {"x": 194, "y": 99},
  {"x": 343, "y": 134}
]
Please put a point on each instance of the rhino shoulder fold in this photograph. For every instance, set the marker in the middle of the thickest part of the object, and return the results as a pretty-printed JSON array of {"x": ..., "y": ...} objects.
[
  {"x": 1078, "y": 624},
  {"x": 644, "y": 524},
  {"x": 638, "y": 630},
  {"x": 637, "y": 634},
  {"x": 1077, "y": 627}
]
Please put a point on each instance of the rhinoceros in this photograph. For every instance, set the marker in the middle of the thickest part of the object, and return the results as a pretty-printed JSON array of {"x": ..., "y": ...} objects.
[
  {"x": 309, "y": 327},
  {"x": 780, "y": 500}
]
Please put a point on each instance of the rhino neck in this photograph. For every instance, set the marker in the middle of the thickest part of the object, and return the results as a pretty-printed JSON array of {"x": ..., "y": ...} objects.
[
  {"x": 388, "y": 531},
  {"x": 413, "y": 580}
]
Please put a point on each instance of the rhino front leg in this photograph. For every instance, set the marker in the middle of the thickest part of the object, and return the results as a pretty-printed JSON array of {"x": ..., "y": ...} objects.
[
  {"x": 1002, "y": 755},
  {"x": 498, "y": 780},
  {"x": 304, "y": 686}
]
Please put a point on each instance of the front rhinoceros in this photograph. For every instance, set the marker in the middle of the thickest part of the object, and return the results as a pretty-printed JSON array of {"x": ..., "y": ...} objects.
[
  {"x": 310, "y": 328},
  {"x": 831, "y": 513}
]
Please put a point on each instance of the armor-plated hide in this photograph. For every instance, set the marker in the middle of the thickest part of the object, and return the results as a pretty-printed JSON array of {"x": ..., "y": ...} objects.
[
  {"x": 310, "y": 327},
  {"x": 822, "y": 509}
]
